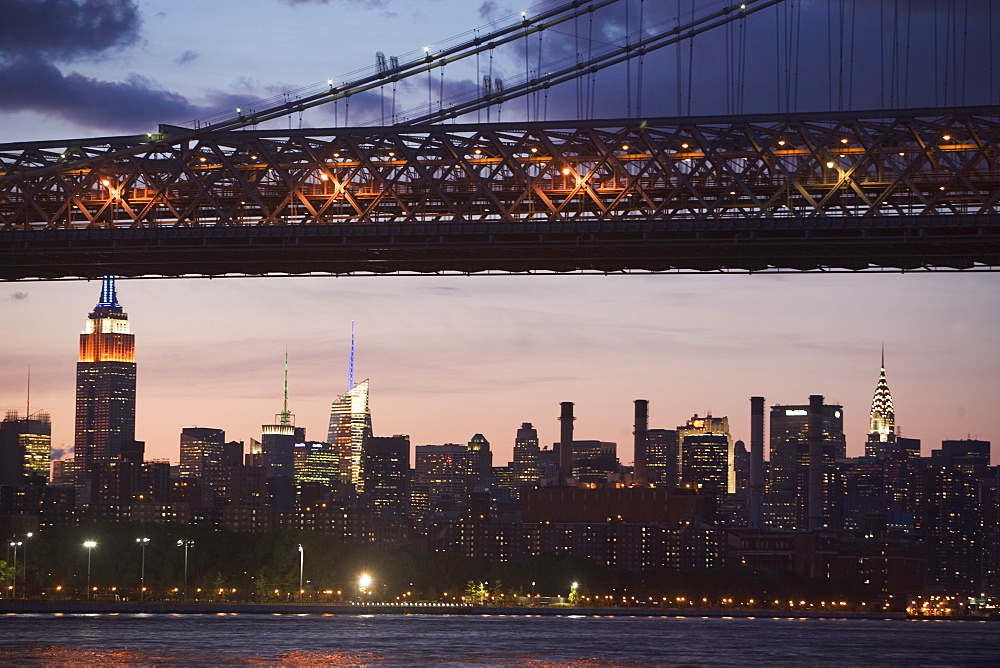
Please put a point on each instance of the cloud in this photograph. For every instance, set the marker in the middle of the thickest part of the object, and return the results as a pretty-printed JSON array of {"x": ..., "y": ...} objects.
[
  {"x": 59, "y": 453},
  {"x": 187, "y": 57},
  {"x": 17, "y": 296},
  {"x": 132, "y": 105},
  {"x": 490, "y": 10},
  {"x": 377, "y": 4},
  {"x": 67, "y": 29}
]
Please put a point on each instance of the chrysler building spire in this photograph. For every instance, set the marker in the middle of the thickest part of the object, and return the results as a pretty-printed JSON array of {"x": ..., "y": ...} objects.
[{"x": 882, "y": 422}]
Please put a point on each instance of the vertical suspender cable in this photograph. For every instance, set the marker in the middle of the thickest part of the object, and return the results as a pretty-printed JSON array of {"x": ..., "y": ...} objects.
[
  {"x": 592, "y": 83},
  {"x": 965, "y": 52},
  {"x": 829, "y": 51},
  {"x": 690, "y": 64},
  {"x": 840, "y": 69},
  {"x": 628, "y": 64},
  {"x": 795, "y": 60},
  {"x": 679, "y": 58},
  {"x": 642, "y": 58},
  {"x": 850, "y": 64}
]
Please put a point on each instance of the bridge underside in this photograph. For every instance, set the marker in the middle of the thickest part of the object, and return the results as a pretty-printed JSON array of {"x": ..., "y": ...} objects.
[
  {"x": 855, "y": 244},
  {"x": 902, "y": 190}
]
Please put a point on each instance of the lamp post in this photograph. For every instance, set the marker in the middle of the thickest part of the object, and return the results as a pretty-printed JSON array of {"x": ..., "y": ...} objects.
[
  {"x": 13, "y": 592},
  {"x": 24, "y": 560},
  {"x": 142, "y": 572},
  {"x": 302, "y": 561},
  {"x": 185, "y": 543},
  {"x": 90, "y": 545},
  {"x": 364, "y": 582}
]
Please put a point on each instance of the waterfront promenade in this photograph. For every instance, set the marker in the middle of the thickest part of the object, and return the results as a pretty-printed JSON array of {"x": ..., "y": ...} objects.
[{"x": 224, "y": 608}]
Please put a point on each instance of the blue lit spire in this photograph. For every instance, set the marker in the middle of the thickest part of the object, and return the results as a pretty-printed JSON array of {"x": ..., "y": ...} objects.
[{"x": 108, "y": 295}]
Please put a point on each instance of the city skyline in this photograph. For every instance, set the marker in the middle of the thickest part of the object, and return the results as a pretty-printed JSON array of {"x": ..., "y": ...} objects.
[
  {"x": 449, "y": 357},
  {"x": 451, "y": 405}
]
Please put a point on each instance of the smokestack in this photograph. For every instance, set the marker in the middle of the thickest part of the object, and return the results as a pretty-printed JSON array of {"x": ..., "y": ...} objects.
[
  {"x": 566, "y": 442},
  {"x": 814, "y": 437},
  {"x": 757, "y": 462},
  {"x": 641, "y": 426}
]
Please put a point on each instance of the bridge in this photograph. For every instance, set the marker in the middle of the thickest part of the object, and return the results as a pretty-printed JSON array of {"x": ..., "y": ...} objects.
[{"x": 904, "y": 189}]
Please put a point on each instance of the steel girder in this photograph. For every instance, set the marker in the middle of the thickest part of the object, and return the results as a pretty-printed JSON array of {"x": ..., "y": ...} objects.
[{"x": 899, "y": 170}]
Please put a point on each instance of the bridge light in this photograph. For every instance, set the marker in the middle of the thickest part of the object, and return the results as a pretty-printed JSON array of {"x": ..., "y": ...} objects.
[
  {"x": 684, "y": 145},
  {"x": 239, "y": 110},
  {"x": 392, "y": 154},
  {"x": 534, "y": 150},
  {"x": 565, "y": 171},
  {"x": 844, "y": 140},
  {"x": 477, "y": 151},
  {"x": 524, "y": 14},
  {"x": 781, "y": 142},
  {"x": 105, "y": 182},
  {"x": 336, "y": 155},
  {"x": 946, "y": 138},
  {"x": 830, "y": 165},
  {"x": 624, "y": 147},
  {"x": 324, "y": 177}
]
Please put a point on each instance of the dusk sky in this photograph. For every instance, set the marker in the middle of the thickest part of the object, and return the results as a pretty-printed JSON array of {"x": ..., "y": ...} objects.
[{"x": 452, "y": 356}]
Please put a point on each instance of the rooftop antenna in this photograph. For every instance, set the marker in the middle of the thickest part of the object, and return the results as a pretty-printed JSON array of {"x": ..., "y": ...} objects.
[
  {"x": 350, "y": 364},
  {"x": 285, "y": 415},
  {"x": 883, "y": 356}
]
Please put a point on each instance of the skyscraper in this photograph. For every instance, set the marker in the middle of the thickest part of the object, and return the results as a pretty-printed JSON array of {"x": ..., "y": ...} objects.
[
  {"x": 788, "y": 485},
  {"x": 482, "y": 460},
  {"x": 201, "y": 447},
  {"x": 278, "y": 454},
  {"x": 527, "y": 470},
  {"x": 105, "y": 382},
  {"x": 27, "y": 446},
  {"x": 350, "y": 425},
  {"x": 386, "y": 470},
  {"x": 882, "y": 421}
]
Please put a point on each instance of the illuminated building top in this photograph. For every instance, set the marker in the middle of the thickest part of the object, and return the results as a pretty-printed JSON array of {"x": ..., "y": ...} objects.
[
  {"x": 109, "y": 296},
  {"x": 106, "y": 336},
  {"x": 883, "y": 420}
]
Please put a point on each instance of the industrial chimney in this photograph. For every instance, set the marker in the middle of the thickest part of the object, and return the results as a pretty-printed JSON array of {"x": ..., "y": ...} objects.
[
  {"x": 641, "y": 426},
  {"x": 566, "y": 442}
]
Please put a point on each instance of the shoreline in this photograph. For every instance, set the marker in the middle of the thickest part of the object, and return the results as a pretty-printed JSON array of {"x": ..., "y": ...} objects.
[{"x": 220, "y": 608}]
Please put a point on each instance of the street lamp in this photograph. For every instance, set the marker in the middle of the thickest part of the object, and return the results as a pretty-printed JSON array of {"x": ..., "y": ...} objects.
[
  {"x": 90, "y": 545},
  {"x": 24, "y": 560},
  {"x": 185, "y": 543},
  {"x": 142, "y": 573},
  {"x": 15, "y": 545},
  {"x": 364, "y": 582},
  {"x": 302, "y": 561}
]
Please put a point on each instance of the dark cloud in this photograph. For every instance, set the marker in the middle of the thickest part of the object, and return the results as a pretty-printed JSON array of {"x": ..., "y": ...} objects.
[
  {"x": 377, "y": 4},
  {"x": 17, "y": 296},
  {"x": 490, "y": 10},
  {"x": 67, "y": 29},
  {"x": 187, "y": 57},
  {"x": 134, "y": 105},
  {"x": 59, "y": 453}
]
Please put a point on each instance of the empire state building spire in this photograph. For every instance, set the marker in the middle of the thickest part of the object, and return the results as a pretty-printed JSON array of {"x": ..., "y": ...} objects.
[{"x": 882, "y": 422}]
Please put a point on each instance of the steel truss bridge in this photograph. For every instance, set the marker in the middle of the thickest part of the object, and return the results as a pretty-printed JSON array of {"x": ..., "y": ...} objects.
[{"x": 847, "y": 191}]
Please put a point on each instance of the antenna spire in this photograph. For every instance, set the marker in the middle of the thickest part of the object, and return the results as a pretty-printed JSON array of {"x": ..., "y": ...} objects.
[
  {"x": 28, "y": 409},
  {"x": 883, "y": 355},
  {"x": 109, "y": 296},
  {"x": 350, "y": 364},
  {"x": 285, "y": 415}
]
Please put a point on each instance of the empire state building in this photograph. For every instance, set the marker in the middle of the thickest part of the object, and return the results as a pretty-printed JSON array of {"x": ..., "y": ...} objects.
[{"x": 105, "y": 382}]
